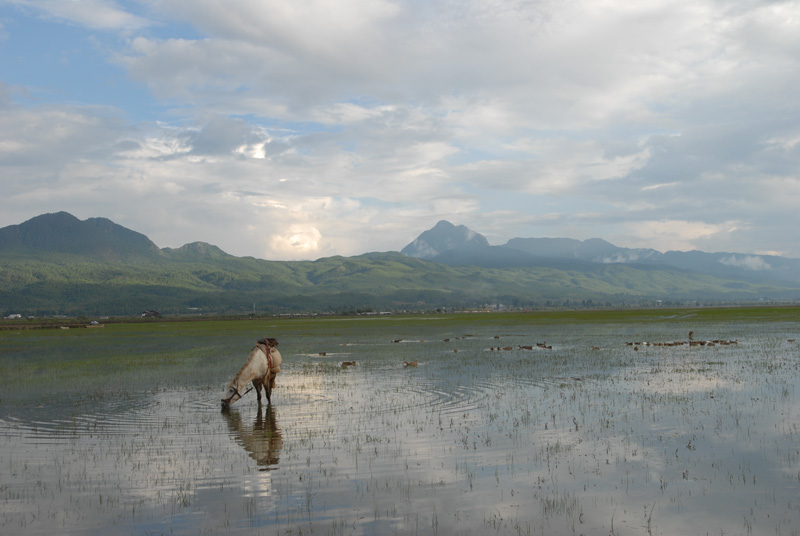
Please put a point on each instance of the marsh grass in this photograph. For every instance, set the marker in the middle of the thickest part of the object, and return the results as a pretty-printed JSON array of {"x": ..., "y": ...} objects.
[{"x": 119, "y": 430}]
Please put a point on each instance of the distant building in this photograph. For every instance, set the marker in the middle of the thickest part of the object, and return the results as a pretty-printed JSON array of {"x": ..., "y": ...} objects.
[
  {"x": 14, "y": 316},
  {"x": 147, "y": 314}
]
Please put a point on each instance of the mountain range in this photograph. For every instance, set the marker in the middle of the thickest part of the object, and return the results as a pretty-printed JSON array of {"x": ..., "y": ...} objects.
[
  {"x": 458, "y": 246},
  {"x": 58, "y": 264}
]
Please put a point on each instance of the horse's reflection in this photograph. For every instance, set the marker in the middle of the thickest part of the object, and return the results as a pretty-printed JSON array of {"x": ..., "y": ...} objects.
[{"x": 262, "y": 440}]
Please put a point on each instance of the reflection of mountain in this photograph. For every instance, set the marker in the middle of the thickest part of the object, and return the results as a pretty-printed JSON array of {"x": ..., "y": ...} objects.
[{"x": 262, "y": 440}]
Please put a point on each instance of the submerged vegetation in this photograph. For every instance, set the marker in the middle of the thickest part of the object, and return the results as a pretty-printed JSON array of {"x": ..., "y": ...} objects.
[{"x": 538, "y": 423}]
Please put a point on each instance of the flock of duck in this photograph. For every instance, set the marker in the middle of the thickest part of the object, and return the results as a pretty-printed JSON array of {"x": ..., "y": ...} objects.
[
  {"x": 714, "y": 342},
  {"x": 348, "y": 364},
  {"x": 690, "y": 342},
  {"x": 542, "y": 345}
]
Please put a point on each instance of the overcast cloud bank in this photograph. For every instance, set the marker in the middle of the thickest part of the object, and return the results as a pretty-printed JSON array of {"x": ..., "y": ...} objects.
[{"x": 288, "y": 130}]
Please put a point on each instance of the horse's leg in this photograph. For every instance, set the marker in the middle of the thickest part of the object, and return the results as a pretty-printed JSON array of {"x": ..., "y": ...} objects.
[
  {"x": 268, "y": 384},
  {"x": 257, "y": 384}
]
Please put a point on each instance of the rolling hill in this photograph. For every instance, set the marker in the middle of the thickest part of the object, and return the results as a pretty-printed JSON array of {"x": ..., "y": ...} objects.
[{"x": 58, "y": 264}]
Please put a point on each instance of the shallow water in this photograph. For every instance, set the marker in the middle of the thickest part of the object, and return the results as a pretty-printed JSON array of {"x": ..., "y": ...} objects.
[{"x": 617, "y": 439}]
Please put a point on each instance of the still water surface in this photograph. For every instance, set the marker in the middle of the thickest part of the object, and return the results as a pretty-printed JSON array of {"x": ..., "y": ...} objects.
[{"x": 580, "y": 434}]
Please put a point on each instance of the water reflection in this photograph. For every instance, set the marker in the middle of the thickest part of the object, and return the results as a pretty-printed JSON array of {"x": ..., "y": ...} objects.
[
  {"x": 262, "y": 440},
  {"x": 672, "y": 439}
]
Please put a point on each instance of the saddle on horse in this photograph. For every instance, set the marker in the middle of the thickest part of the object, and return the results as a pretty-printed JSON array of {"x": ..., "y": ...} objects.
[{"x": 266, "y": 344}]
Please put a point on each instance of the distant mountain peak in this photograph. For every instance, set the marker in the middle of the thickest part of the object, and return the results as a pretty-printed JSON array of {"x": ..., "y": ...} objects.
[
  {"x": 442, "y": 237},
  {"x": 197, "y": 250},
  {"x": 61, "y": 232}
]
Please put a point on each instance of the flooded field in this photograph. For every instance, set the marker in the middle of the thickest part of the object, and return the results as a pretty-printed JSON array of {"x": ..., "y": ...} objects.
[{"x": 561, "y": 423}]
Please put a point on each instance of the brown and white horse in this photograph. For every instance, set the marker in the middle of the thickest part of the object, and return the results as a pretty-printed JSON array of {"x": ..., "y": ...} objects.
[{"x": 261, "y": 367}]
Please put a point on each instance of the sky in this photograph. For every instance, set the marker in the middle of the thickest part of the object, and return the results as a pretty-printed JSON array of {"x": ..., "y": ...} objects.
[{"x": 302, "y": 129}]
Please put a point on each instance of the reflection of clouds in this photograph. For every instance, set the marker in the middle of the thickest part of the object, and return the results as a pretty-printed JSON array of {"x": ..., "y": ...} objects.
[
  {"x": 685, "y": 443},
  {"x": 696, "y": 383},
  {"x": 159, "y": 457},
  {"x": 682, "y": 371},
  {"x": 141, "y": 450},
  {"x": 677, "y": 440},
  {"x": 686, "y": 434}
]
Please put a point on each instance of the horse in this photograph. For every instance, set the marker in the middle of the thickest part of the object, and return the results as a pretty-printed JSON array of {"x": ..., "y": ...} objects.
[{"x": 261, "y": 367}]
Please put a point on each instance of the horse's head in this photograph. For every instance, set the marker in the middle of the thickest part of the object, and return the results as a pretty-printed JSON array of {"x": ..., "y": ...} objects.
[{"x": 230, "y": 395}]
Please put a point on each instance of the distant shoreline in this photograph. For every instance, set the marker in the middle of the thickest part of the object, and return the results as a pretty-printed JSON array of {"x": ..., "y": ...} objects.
[{"x": 611, "y": 313}]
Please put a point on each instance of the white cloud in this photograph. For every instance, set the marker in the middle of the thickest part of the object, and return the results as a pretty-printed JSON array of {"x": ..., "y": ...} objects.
[
  {"x": 658, "y": 186},
  {"x": 299, "y": 239},
  {"x": 675, "y": 235},
  {"x": 96, "y": 14},
  {"x": 746, "y": 261},
  {"x": 554, "y": 166},
  {"x": 306, "y": 129}
]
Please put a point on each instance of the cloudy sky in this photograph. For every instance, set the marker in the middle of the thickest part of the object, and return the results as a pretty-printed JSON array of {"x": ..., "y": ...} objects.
[{"x": 300, "y": 129}]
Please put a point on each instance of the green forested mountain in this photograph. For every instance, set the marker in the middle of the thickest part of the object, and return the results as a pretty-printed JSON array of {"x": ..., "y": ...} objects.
[{"x": 57, "y": 264}]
